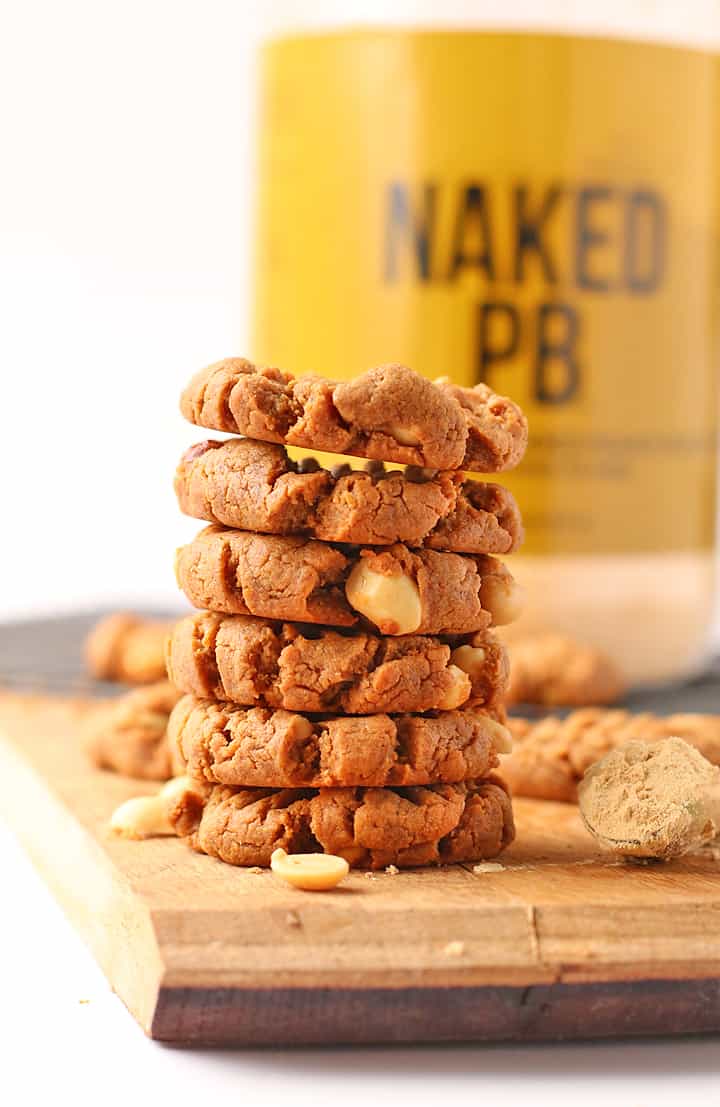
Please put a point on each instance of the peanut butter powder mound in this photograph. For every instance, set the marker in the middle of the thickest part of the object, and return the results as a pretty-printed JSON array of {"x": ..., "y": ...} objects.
[{"x": 652, "y": 800}]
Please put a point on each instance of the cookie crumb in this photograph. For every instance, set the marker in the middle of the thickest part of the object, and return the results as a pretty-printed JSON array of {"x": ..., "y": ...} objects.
[
  {"x": 454, "y": 949},
  {"x": 392, "y": 870},
  {"x": 83, "y": 1001},
  {"x": 255, "y": 869},
  {"x": 488, "y": 867},
  {"x": 293, "y": 919},
  {"x": 369, "y": 876}
]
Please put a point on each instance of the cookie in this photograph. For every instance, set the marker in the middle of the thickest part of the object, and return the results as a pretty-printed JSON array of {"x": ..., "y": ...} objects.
[
  {"x": 389, "y": 413},
  {"x": 558, "y": 671},
  {"x": 261, "y": 748},
  {"x": 370, "y": 827},
  {"x": 256, "y": 662},
  {"x": 127, "y": 648},
  {"x": 128, "y": 734},
  {"x": 255, "y": 486},
  {"x": 550, "y": 757},
  {"x": 394, "y": 590}
]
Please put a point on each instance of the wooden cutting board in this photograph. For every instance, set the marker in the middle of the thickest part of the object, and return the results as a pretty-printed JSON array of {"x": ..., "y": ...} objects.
[{"x": 563, "y": 942}]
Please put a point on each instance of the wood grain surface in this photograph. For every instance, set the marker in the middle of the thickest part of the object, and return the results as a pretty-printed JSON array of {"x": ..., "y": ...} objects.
[{"x": 563, "y": 942}]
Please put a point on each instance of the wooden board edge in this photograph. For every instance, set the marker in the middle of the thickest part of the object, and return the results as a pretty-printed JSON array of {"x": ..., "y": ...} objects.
[
  {"x": 302, "y": 1016},
  {"x": 99, "y": 902}
]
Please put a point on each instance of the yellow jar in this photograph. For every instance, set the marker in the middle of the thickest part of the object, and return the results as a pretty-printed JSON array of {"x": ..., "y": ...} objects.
[{"x": 535, "y": 207}]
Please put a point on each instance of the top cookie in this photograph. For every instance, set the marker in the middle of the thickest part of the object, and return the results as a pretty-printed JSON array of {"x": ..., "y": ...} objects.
[{"x": 387, "y": 414}]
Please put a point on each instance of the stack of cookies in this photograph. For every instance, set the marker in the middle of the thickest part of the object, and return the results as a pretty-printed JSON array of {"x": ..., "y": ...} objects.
[{"x": 343, "y": 686}]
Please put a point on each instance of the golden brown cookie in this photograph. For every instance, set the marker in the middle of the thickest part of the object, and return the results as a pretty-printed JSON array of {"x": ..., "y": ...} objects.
[
  {"x": 550, "y": 757},
  {"x": 394, "y": 590},
  {"x": 127, "y": 648},
  {"x": 255, "y": 486},
  {"x": 261, "y": 748},
  {"x": 389, "y": 413},
  {"x": 256, "y": 662},
  {"x": 370, "y": 827},
  {"x": 128, "y": 734},
  {"x": 558, "y": 671}
]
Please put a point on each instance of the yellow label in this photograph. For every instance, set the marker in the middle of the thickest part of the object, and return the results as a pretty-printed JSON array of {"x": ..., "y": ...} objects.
[{"x": 536, "y": 211}]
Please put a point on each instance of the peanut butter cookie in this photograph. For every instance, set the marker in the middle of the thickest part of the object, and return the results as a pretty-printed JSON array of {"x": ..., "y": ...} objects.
[
  {"x": 370, "y": 827},
  {"x": 254, "y": 661},
  {"x": 261, "y": 748},
  {"x": 389, "y": 413},
  {"x": 558, "y": 671},
  {"x": 394, "y": 590},
  {"x": 255, "y": 486}
]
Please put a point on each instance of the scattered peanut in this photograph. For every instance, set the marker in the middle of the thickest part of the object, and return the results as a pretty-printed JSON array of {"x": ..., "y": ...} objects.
[
  {"x": 313, "y": 872},
  {"x": 148, "y": 816}
]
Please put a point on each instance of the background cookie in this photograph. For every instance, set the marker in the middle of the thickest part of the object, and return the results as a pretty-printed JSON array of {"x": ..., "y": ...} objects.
[
  {"x": 369, "y": 827},
  {"x": 558, "y": 671},
  {"x": 255, "y": 486},
  {"x": 128, "y": 734},
  {"x": 254, "y": 661},
  {"x": 550, "y": 757},
  {"x": 389, "y": 413},
  {"x": 127, "y": 648},
  {"x": 259, "y": 747},
  {"x": 394, "y": 589}
]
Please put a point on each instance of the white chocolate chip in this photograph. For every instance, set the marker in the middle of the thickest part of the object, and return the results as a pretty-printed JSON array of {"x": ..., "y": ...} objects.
[
  {"x": 501, "y": 736},
  {"x": 313, "y": 872},
  {"x": 406, "y": 436},
  {"x": 502, "y": 597},
  {"x": 392, "y": 603},
  {"x": 459, "y": 690},
  {"x": 300, "y": 728},
  {"x": 141, "y": 817},
  {"x": 471, "y": 659}
]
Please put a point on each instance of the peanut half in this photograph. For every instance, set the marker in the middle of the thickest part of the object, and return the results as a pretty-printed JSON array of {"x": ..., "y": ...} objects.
[
  {"x": 312, "y": 872},
  {"x": 148, "y": 816}
]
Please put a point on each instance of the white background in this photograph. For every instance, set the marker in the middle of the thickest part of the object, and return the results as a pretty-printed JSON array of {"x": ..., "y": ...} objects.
[{"x": 124, "y": 259}]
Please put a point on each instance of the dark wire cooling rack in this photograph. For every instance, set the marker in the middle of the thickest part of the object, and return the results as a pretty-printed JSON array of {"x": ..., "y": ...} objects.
[{"x": 46, "y": 655}]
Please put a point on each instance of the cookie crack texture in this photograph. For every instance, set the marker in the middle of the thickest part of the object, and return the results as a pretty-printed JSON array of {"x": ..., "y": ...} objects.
[
  {"x": 388, "y": 413},
  {"x": 236, "y": 572},
  {"x": 306, "y": 669},
  {"x": 258, "y": 747},
  {"x": 369, "y": 827},
  {"x": 255, "y": 486}
]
